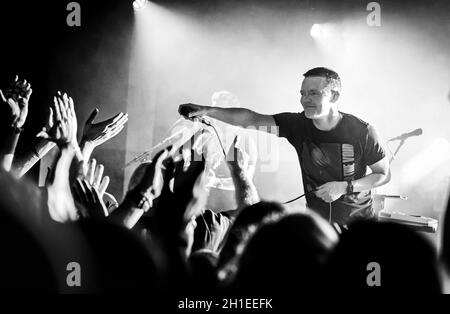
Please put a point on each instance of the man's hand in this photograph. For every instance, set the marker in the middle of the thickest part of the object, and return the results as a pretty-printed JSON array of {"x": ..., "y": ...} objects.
[
  {"x": 331, "y": 191},
  {"x": 99, "y": 133},
  {"x": 17, "y": 96},
  {"x": 62, "y": 122},
  {"x": 191, "y": 111}
]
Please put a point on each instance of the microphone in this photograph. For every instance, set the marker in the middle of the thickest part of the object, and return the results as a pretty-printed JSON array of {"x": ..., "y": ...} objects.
[
  {"x": 404, "y": 136},
  {"x": 185, "y": 110}
]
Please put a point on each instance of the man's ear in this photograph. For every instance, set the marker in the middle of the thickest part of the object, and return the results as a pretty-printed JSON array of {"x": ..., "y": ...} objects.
[{"x": 334, "y": 96}]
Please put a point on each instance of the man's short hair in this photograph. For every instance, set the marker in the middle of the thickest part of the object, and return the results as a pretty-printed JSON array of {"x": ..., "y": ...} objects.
[{"x": 332, "y": 78}]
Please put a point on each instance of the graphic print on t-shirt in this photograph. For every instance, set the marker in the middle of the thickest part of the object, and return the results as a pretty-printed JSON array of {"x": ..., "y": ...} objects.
[
  {"x": 327, "y": 162},
  {"x": 348, "y": 161}
]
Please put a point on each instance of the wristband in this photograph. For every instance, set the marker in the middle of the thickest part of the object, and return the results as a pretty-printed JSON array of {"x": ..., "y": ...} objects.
[
  {"x": 17, "y": 130},
  {"x": 349, "y": 187},
  {"x": 140, "y": 199}
]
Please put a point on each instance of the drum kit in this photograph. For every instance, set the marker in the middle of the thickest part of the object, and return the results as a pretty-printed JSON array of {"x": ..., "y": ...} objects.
[{"x": 416, "y": 222}]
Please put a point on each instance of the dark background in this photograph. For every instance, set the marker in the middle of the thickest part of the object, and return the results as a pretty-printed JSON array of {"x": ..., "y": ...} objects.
[{"x": 90, "y": 63}]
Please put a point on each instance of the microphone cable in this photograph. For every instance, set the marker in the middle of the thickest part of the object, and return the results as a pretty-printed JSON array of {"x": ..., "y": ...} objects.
[
  {"x": 225, "y": 155},
  {"x": 217, "y": 134},
  {"x": 298, "y": 197},
  {"x": 303, "y": 195},
  {"x": 294, "y": 199}
]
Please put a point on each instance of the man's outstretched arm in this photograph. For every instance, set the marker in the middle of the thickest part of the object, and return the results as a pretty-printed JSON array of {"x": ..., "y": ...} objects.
[{"x": 241, "y": 117}]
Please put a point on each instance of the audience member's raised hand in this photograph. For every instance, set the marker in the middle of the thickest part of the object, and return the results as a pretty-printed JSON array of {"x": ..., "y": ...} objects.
[
  {"x": 25, "y": 161},
  {"x": 100, "y": 132},
  {"x": 151, "y": 176},
  {"x": 182, "y": 199},
  {"x": 62, "y": 126},
  {"x": 245, "y": 190},
  {"x": 95, "y": 178},
  {"x": 182, "y": 196},
  {"x": 17, "y": 96},
  {"x": 88, "y": 200},
  {"x": 110, "y": 202},
  {"x": 237, "y": 159},
  {"x": 145, "y": 185},
  {"x": 62, "y": 130}
]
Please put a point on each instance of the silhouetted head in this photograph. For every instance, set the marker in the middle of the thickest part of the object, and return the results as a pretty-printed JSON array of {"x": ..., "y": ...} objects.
[
  {"x": 122, "y": 262},
  {"x": 203, "y": 270},
  {"x": 245, "y": 224},
  {"x": 25, "y": 248},
  {"x": 286, "y": 256},
  {"x": 372, "y": 253}
]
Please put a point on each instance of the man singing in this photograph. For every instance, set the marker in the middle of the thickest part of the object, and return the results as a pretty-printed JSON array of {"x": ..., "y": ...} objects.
[{"x": 334, "y": 148}]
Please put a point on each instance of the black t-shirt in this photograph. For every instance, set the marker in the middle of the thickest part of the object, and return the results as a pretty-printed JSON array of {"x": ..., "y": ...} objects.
[{"x": 337, "y": 155}]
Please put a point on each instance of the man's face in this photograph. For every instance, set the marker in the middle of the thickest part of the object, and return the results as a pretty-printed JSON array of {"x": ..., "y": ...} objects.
[{"x": 316, "y": 97}]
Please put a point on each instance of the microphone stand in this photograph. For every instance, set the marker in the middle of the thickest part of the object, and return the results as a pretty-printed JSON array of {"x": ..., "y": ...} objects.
[
  {"x": 397, "y": 150},
  {"x": 148, "y": 155},
  {"x": 402, "y": 139},
  {"x": 382, "y": 197},
  {"x": 173, "y": 139}
]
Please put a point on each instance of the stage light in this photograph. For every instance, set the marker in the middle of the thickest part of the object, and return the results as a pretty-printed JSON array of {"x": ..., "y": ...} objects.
[
  {"x": 316, "y": 31},
  {"x": 428, "y": 160},
  {"x": 323, "y": 31},
  {"x": 139, "y": 4}
]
